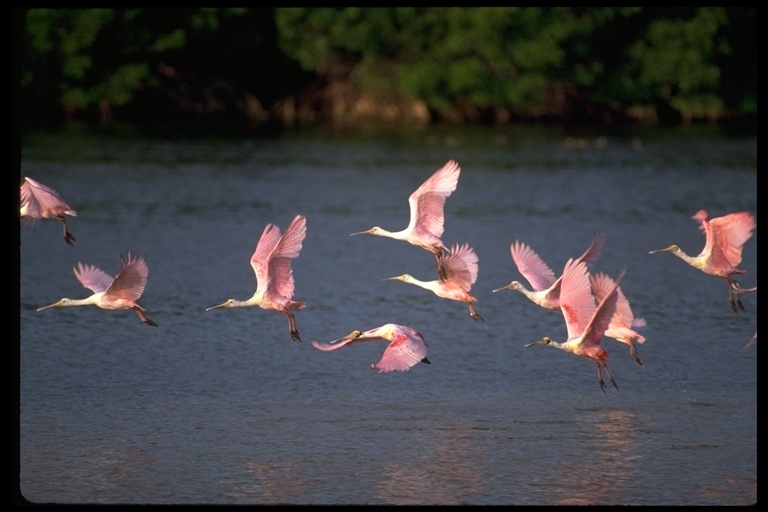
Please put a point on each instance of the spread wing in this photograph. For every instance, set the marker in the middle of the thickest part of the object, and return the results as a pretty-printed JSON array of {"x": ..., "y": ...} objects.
[
  {"x": 531, "y": 266},
  {"x": 271, "y": 261},
  {"x": 428, "y": 201}
]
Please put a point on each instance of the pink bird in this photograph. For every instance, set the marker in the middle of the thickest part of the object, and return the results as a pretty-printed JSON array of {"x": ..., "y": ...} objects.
[
  {"x": 407, "y": 346},
  {"x": 427, "y": 218},
  {"x": 585, "y": 322},
  {"x": 725, "y": 237},
  {"x": 545, "y": 287},
  {"x": 624, "y": 325},
  {"x": 460, "y": 274},
  {"x": 271, "y": 262},
  {"x": 120, "y": 292},
  {"x": 42, "y": 202}
]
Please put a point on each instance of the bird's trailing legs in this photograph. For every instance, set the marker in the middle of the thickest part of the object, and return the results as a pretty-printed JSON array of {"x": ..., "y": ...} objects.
[
  {"x": 68, "y": 237},
  {"x": 474, "y": 314},
  {"x": 292, "y": 327},
  {"x": 600, "y": 376},
  {"x": 143, "y": 317},
  {"x": 733, "y": 294}
]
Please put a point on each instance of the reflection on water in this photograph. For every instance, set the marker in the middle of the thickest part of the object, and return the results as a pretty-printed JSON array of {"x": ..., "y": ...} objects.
[
  {"x": 446, "y": 467},
  {"x": 611, "y": 463}
]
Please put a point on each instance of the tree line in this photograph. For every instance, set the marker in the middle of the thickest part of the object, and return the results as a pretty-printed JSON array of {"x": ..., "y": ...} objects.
[{"x": 456, "y": 64}]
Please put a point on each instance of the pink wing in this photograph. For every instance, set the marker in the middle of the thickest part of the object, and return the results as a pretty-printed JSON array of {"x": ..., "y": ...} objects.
[
  {"x": 593, "y": 251},
  {"x": 531, "y": 266},
  {"x": 601, "y": 286},
  {"x": 404, "y": 352},
  {"x": 576, "y": 300},
  {"x": 729, "y": 234},
  {"x": 39, "y": 201},
  {"x": 92, "y": 278},
  {"x": 602, "y": 315},
  {"x": 428, "y": 201},
  {"x": 272, "y": 259},
  {"x": 260, "y": 258},
  {"x": 461, "y": 266},
  {"x": 130, "y": 282}
]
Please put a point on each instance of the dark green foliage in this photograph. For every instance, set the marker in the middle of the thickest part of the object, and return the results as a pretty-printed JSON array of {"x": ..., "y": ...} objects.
[{"x": 526, "y": 61}]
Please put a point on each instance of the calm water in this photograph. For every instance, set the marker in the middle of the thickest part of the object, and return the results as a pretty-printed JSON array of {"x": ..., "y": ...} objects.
[{"x": 220, "y": 407}]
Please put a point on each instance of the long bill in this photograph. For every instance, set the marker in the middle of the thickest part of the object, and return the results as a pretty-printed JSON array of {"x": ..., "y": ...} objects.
[
  {"x": 349, "y": 337},
  {"x": 223, "y": 304},
  {"x": 668, "y": 249},
  {"x": 502, "y": 288},
  {"x": 55, "y": 304},
  {"x": 366, "y": 232}
]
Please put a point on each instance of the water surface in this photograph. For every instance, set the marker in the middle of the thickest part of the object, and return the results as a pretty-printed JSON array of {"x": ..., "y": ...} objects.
[{"x": 220, "y": 407}]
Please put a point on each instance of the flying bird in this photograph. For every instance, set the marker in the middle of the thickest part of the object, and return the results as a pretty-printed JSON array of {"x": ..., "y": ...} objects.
[
  {"x": 624, "y": 325},
  {"x": 725, "y": 237},
  {"x": 427, "y": 218},
  {"x": 39, "y": 201},
  {"x": 120, "y": 292},
  {"x": 407, "y": 346},
  {"x": 460, "y": 274},
  {"x": 545, "y": 288},
  {"x": 271, "y": 262},
  {"x": 585, "y": 322}
]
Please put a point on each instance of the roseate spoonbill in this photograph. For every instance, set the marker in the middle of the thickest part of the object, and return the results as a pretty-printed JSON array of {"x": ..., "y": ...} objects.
[
  {"x": 585, "y": 322},
  {"x": 427, "y": 218},
  {"x": 545, "y": 287},
  {"x": 460, "y": 274},
  {"x": 39, "y": 201},
  {"x": 407, "y": 346},
  {"x": 120, "y": 292},
  {"x": 623, "y": 326},
  {"x": 725, "y": 237},
  {"x": 271, "y": 262}
]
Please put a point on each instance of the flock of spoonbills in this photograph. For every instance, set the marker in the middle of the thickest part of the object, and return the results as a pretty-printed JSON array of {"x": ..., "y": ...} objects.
[{"x": 592, "y": 304}]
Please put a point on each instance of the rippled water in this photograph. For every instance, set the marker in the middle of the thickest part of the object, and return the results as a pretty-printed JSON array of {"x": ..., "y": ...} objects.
[{"x": 220, "y": 407}]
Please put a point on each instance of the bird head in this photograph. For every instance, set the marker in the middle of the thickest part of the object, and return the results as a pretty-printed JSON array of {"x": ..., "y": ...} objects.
[
  {"x": 373, "y": 231},
  {"x": 351, "y": 336},
  {"x": 228, "y": 304},
  {"x": 59, "y": 303},
  {"x": 543, "y": 341},
  {"x": 514, "y": 285},
  {"x": 672, "y": 248},
  {"x": 404, "y": 277}
]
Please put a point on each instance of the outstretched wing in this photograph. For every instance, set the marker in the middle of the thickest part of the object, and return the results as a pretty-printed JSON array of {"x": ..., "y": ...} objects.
[
  {"x": 576, "y": 300},
  {"x": 92, "y": 277},
  {"x": 461, "y": 266},
  {"x": 404, "y": 352},
  {"x": 40, "y": 201},
  {"x": 729, "y": 233},
  {"x": 428, "y": 201},
  {"x": 287, "y": 248},
  {"x": 531, "y": 266},
  {"x": 130, "y": 281}
]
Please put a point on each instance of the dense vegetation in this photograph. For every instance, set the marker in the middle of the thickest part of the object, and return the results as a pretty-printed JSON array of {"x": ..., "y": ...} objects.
[{"x": 293, "y": 65}]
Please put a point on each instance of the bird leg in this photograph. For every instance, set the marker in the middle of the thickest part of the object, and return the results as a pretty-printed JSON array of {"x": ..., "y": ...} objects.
[
  {"x": 68, "y": 237},
  {"x": 143, "y": 317},
  {"x": 633, "y": 354},
  {"x": 600, "y": 377},
  {"x": 292, "y": 327},
  {"x": 474, "y": 315},
  {"x": 733, "y": 294},
  {"x": 609, "y": 376},
  {"x": 441, "y": 273}
]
